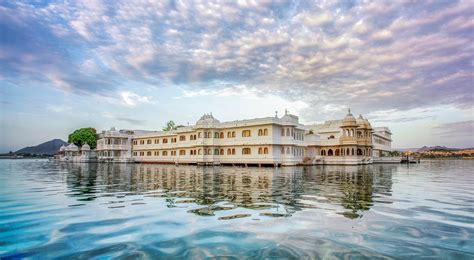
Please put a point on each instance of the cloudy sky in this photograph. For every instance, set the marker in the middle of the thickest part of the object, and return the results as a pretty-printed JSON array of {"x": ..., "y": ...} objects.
[{"x": 136, "y": 64}]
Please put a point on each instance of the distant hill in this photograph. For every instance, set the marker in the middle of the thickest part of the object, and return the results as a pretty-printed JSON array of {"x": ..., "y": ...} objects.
[
  {"x": 49, "y": 147},
  {"x": 430, "y": 148}
]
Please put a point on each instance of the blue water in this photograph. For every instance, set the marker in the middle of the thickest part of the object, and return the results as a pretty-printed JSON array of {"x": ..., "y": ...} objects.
[{"x": 54, "y": 210}]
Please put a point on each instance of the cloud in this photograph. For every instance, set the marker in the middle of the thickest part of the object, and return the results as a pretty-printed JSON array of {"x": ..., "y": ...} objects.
[
  {"x": 457, "y": 129},
  {"x": 131, "y": 99},
  {"x": 367, "y": 55},
  {"x": 129, "y": 120}
]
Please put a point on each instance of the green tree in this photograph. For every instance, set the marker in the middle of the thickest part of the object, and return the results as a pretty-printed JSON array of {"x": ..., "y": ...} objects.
[
  {"x": 84, "y": 135},
  {"x": 170, "y": 126}
]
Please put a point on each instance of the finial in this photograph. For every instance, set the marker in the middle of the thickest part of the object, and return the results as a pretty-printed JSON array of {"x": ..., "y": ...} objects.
[
  {"x": 276, "y": 114},
  {"x": 349, "y": 111},
  {"x": 286, "y": 111}
]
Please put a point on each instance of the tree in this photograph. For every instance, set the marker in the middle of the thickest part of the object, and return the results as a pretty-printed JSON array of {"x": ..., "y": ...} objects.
[
  {"x": 82, "y": 136},
  {"x": 170, "y": 126}
]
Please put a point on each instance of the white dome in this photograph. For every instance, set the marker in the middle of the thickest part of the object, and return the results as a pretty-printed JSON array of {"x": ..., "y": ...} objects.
[
  {"x": 85, "y": 147},
  {"x": 207, "y": 120},
  {"x": 72, "y": 147},
  {"x": 62, "y": 148}
]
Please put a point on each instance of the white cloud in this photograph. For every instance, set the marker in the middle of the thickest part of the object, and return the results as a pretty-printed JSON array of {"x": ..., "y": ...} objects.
[{"x": 131, "y": 99}]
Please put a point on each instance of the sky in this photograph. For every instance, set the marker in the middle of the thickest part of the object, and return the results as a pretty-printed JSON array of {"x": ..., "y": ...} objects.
[{"x": 403, "y": 64}]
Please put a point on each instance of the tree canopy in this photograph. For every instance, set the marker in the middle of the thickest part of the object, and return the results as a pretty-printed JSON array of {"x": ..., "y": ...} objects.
[
  {"x": 170, "y": 126},
  {"x": 84, "y": 135}
]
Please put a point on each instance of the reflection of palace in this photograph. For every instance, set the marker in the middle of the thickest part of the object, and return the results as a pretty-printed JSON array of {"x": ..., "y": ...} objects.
[
  {"x": 270, "y": 140},
  {"x": 349, "y": 188}
]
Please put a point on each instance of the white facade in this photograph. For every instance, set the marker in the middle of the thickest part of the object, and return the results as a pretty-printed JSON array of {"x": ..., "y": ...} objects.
[{"x": 261, "y": 141}]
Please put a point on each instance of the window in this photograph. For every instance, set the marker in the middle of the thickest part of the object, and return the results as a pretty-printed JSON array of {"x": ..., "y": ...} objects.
[
  {"x": 323, "y": 152},
  {"x": 199, "y": 135},
  {"x": 142, "y": 153},
  {"x": 157, "y": 141},
  {"x": 222, "y": 152},
  {"x": 282, "y": 150},
  {"x": 135, "y": 153},
  {"x": 216, "y": 151},
  {"x": 157, "y": 153},
  {"x": 148, "y": 153},
  {"x": 182, "y": 152},
  {"x": 142, "y": 141},
  {"x": 246, "y": 151},
  {"x": 221, "y": 135},
  {"x": 229, "y": 151},
  {"x": 182, "y": 138},
  {"x": 216, "y": 135},
  {"x": 352, "y": 151},
  {"x": 265, "y": 150},
  {"x": 233, "y": 150},
  {"x": 337, "y": 152},
  {"x": 288, "y": 132},
  {"x": 246, "y": 133},
  {"x": 229, "y": 135},
  {"x": 282, "y": 132},
  {"x": 165, "y": 141},
  {"x": 233, "y": 134},
  {"x": 173, "y": 139},
  {"x": 148, "y": 141},
  {"x": 260, "y": 132},
  {"x": 209, "y": 151},
  {"x": 260, "y": 150},
  {"x": 173, "y": 153},
  {"x": 165, "y": 153},
  {"x": 209, "y": 135},
  {"x": 265, "y": 132},
  {"x": 135, "y": 142},
  {"x": 331, "y": 137},
  {"x": 199, "y": 151}
]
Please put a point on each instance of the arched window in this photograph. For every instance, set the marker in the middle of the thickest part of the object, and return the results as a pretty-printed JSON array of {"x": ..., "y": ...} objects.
[
  {"x": 352, "y": 132},
  {"x": 199, "y": 135},
  {"x": 216, "y": 135},
  {"x": 199, "y": 151},
  {"x": 246, "y": 151},
  {"x": 228, "y": 134},
  {"x": 282, "y": 150},
  {"x": 233, "y": 150},
  {"x": 352, "y": 151},
  {"x": 246, "y": 133},
  {"x": 205, "y": 134},
  {"x": 209, "y": 151},
  {"x": 337, "y": 152},
  {"x": 288, "y": 150},
  {"x": 165, "y": 153},
  {"x": 216, "y": 151},
  {"x": 229, "y": 151},
  {"x": 265, "y": 150},
  {"x": 330, "y": 153},
  {"x": 348, "y": 152},
  {"x": 288, "y": 132},
  {"x": 265, "y": 132},
  {"x": 222, "y": 135},
  {"x": 260, "y": 132},
  {"x": 233, "y": 134},
  {"x": 359, "y": 151},
  {"x": 209, "y": 135},
  {"x": 222, "y": 152},
  {"x": 323, "y": 152},
  {"x": 331, "y": 137},
  {"x": 260, "y": 150},
  {"x": 283, "y": 132}
]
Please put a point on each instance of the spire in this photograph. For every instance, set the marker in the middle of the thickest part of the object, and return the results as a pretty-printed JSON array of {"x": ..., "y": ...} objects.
[
  {"x": 276, "y": 114},
  {"x": 286, "y": 111},
  {"x": 349, "y": 112}
]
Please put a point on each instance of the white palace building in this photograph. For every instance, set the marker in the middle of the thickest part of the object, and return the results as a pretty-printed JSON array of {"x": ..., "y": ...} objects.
[{"x": 261, "y": 141}]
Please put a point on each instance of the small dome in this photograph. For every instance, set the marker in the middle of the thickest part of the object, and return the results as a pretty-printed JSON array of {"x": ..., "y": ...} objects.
[
  {"x": 207, "y": 120},
  {"x": 349, "y": 120},
  {"x": 85, "y": 147},
  {"x": 62, "y": 148},
  {"x": 72, "y": 147}
]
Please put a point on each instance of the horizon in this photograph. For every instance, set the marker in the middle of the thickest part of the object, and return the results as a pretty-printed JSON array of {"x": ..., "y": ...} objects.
[{"x": 68, "y": 65}]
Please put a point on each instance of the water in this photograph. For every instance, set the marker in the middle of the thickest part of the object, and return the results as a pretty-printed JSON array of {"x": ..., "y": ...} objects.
[{"x": 53, "y": 210}]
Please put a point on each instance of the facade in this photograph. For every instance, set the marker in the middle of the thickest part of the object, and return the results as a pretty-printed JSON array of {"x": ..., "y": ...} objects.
[
  {"x": 346, "y": 141},
  {"x": 72, "y": 153},
  {"x": 261, "y": 141}
]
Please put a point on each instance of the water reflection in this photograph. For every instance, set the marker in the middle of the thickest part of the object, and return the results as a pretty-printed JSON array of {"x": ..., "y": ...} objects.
[{"x": 276, "y": 192}]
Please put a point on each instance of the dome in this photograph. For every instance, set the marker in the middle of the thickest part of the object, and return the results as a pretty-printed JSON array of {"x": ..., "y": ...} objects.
[
  {"x": 72, "y": 147},
  {"x": 207, "y": 120},
  {"x": 62, "y": 148},
  {"x": 349, "y": 120},
  {"x": 85, "y": 147}
]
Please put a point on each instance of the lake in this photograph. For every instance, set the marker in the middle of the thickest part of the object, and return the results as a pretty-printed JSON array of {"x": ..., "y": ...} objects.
[{"x": 59, "y": 210}]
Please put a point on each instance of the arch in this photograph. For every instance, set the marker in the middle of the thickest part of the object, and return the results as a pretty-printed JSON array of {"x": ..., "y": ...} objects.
[
  {"x": 222, "y": 135},
  {"x": 199, "y": 151},
  {"x": 352, "y": 132},
  {"x": 283, "y": 132},
  {"x": 352, "y": 151},
  {"x": 323, "y": 152},
  {"x": 288, "y": 132},
  {"x": 216, "y": 151},
  {"x": 229, "y": 151},
  {"x": 216, "y": 135},
  {"x": 260, "y": 132},
  {"x": 348, "y": 152},
  {"x": 228, "y": 135},
  {"x": 233, "y": 134},
  {"x": 288, "y": 150},
  {"x": 233, "y": 150},
  {"x": 209, "y": 151},
  {"x": 205, "y": 134},
  {"x": 260, "y": 150},
  {"x": 222, "y": 152},
  {"x": 330, "y": 152},
  {"x": 265, "y": 132},
  {"x": 359, "y": 151},
  {"x": 282, "y": 150},
  {"x": 246, "y": 151},
  {"x": 199, "y": 135},
  {"x": 337, "y": 152},
  {"x": 265, "y": 150}
]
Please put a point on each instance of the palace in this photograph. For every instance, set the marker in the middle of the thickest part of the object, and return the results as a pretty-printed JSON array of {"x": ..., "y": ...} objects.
[{"x": 261, "y": 141}]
